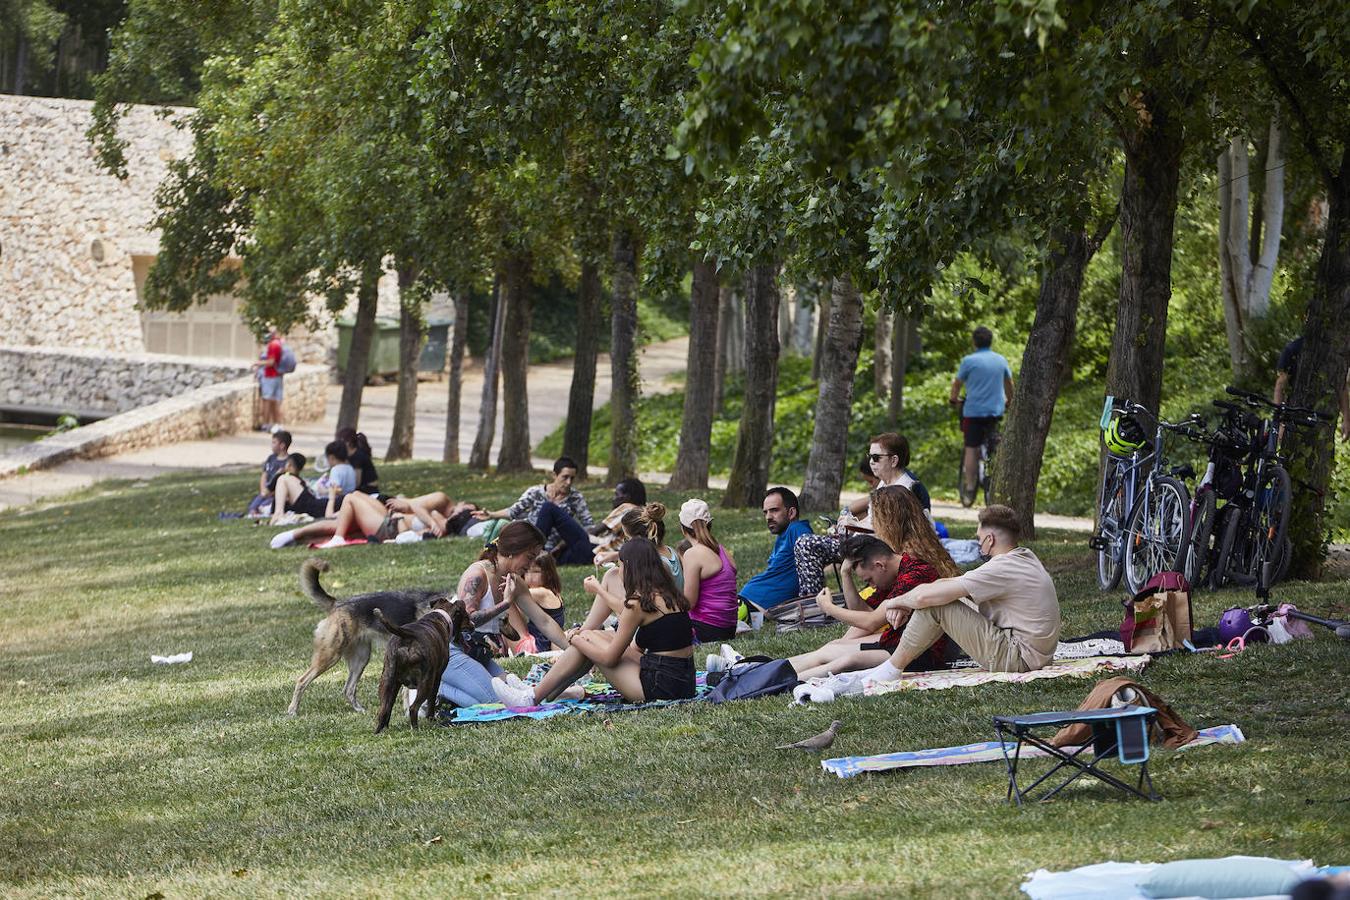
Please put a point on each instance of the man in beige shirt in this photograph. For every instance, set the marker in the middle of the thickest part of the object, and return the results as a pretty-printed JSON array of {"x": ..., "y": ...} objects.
[{"x": 1004, "y": 614}]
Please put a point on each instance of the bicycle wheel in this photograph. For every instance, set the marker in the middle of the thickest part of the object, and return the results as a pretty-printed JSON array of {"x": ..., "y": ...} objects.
[
  {"x": 1227, "y": 563},
  {"x": 1202, "y": 529},
  {"x": 1270, "y": 522},
  {"x": 1110, "y": 525},
  {"x": 1155, "y": 536},
  {"x": 967, "y": 497}
]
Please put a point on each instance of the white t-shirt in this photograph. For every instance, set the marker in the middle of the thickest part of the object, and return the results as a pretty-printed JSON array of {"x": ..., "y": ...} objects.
[{"x": 1014, "y": 591}]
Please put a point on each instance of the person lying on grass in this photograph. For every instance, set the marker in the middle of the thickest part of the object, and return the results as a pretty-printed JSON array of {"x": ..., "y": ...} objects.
[
  {"x": 650, "y": 656},
  {"x": 918, "y": 559},
  {"x": 364, "y": 516},
  {"x": 1004, "y": 614}
]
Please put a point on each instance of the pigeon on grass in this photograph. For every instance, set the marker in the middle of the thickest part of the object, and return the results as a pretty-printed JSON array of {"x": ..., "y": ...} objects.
[{"x": 820, "y": 742}]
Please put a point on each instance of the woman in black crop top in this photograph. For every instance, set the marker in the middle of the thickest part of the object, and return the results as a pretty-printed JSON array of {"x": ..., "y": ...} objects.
[{"x": 651, "y": 655}]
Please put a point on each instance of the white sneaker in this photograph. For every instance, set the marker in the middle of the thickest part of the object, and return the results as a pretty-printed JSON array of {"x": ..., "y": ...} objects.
[
  {"x": 515, "y": 681},
  {"x": 336, "y": 540},
  {"x": 843, "y": 684},
  {"x": 512, "y": 696},
  {"x": 285, "y": 539},
  {"x": 408, "y": 537},
  {"x": 731, "y": 654}
]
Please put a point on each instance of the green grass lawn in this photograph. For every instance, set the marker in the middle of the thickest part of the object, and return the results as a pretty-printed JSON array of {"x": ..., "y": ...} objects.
[{"x": 119, "y": 777}]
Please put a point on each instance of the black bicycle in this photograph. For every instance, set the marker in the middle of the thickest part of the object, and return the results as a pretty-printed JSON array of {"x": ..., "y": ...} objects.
[{"x": 984, "y": 479}]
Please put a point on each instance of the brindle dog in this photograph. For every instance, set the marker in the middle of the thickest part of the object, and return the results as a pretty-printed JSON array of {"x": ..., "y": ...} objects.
[
  {"x": 350, "y": 628},
  {"x": 417, "y": 656}
]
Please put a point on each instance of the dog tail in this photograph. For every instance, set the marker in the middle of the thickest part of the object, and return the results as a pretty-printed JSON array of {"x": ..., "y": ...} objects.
[
  {"x": 398, "y": 630},
  {"x": 309, "y": 583}
]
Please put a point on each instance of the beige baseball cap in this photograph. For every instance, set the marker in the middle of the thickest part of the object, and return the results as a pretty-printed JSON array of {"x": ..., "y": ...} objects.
[{"x": 694, "y": 511}]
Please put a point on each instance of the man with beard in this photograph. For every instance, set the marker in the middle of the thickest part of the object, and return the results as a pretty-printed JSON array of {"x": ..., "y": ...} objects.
[{"x": 778, "y": 581}]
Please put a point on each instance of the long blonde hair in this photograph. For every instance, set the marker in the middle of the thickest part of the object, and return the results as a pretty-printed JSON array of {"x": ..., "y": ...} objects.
[
  {"x": 898, "y": 519},
  {"x": 701, "y": 533}
]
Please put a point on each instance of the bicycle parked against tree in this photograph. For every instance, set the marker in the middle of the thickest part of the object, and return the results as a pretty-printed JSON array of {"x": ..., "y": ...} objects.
[
  {"x": 1253, "y": 546},
  {"x": 1143, "y": 509},
  {"x": 1228, "y": 446}
]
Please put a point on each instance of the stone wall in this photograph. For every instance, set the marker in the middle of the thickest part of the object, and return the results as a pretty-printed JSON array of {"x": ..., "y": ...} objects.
[{"x": 199, "y": 413}]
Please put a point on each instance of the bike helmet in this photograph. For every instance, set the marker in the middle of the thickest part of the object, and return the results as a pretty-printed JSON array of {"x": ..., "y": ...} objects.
[{"x": 1125, "y": 435}]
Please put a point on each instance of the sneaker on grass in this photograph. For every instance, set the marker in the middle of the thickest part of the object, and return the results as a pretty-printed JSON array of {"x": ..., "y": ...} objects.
[{"x": 284, "y": 539}]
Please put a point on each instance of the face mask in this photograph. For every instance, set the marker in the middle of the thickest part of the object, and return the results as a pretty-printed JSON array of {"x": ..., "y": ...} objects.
[{"x": 985, "y": 557}]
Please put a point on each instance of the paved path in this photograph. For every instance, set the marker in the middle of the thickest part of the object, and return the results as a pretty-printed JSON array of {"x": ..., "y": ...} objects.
[{"x": 549, "y": 386}]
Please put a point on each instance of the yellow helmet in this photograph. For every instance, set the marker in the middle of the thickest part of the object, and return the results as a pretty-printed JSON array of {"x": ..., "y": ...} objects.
[{"x": 1124, "y": 436}]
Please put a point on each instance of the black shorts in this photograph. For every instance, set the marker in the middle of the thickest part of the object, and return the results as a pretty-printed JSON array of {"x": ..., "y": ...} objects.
[
  {"x": 309, "y": 505},
  {"x": 978, "y": 428},
  {"x": 707, "y": 633},
  {"x": 666, "y": 677}
]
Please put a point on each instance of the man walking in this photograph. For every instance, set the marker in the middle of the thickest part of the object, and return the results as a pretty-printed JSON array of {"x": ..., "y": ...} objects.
[{"x": 270, "y": 381}]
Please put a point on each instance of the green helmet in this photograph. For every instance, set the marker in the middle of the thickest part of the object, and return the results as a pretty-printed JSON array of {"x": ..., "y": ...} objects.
[{"x": 1124, "y": 436}]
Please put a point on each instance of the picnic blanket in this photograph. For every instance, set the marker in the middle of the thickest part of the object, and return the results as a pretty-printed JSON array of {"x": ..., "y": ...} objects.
[
  {"x": 600, "y": 697},
  {"x": 1117, "y": 880},
  {"x": 1070, "y": 668},
  {"x": 984, "y": 751},
  {"x": 324, "y": 545}
]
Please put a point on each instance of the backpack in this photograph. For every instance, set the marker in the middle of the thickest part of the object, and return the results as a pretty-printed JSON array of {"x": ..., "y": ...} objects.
[
  {"x": 286, "y": 365},
  {"x": 756, "y": 676}
]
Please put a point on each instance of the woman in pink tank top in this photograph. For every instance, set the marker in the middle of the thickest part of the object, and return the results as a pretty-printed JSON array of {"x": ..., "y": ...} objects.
[{"x": 709, "y": 576}]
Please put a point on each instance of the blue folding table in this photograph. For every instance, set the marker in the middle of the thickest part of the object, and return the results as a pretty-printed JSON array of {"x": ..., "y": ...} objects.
[{"x": 1121, "y": 731}]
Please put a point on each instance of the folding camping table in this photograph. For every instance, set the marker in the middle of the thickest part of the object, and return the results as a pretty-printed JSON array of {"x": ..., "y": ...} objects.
[{"x": 1122, "y": 731}]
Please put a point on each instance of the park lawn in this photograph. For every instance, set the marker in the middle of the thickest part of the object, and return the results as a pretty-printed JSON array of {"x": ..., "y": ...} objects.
[{"x": 119, "y": 777}]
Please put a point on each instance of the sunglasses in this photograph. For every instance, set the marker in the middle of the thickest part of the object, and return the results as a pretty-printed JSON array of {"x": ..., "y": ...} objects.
[{"x": 878, "y": 457}]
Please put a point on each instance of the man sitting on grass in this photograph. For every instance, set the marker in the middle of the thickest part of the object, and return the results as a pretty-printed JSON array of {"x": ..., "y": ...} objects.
[
  {"x": 778, "y": 581},
  {"x": 1004, "y": 614},
  {"x": 558, "y": 511}
]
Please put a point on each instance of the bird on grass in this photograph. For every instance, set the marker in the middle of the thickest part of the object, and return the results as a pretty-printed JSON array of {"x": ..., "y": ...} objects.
[{"x": 817, "y": 743}]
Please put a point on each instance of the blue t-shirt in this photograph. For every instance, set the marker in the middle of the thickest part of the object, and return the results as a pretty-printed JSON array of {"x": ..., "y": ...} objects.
[
  {"x": 982, "y": 372},
  {"x": 344, "y": 476},
  {"x": 778, "y": 581}
]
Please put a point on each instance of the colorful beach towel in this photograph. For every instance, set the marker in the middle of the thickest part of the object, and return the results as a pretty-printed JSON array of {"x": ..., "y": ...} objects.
[
  {"x": 600, "y": 697},
  {"x": 985, "y": 751},
  {"x": 1072, "y": 668}
]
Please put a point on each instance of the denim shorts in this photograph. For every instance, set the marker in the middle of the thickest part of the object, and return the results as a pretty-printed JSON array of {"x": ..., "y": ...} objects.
[
  {"x": 666, "y": 677},
  {"x": 271, "y": 387}
]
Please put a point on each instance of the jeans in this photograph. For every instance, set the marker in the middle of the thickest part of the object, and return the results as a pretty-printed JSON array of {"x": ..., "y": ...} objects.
[
  {"x": 578, "y": 551},
  {"x": 465, "y": 682}
]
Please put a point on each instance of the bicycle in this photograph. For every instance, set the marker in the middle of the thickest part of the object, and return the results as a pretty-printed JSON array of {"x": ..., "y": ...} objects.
[
  {"x": 1143, "y": 510},
  {"x": 984, "y": 479},
  {"x": 1254, "y": 548},
  {"x": 1228, "y": 445}
]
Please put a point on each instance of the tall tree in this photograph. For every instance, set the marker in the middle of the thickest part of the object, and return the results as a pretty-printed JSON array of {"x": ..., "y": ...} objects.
[
  {"x": 517, "y": 302},
  {"x": 358, "y": 351},
  {"x": 834, "y": 404},
  {"x": 487, "y": 408},
  {"x": 754, "y": 439},
  {"x": 459, "y": 336},
  {"x": 624, "y": 382},
  {"x": 693, "y": 458},
  {"x": 410, "y": 339},
  {"x": 581, "y": 394},
  {"x": 883, "y": 345}
]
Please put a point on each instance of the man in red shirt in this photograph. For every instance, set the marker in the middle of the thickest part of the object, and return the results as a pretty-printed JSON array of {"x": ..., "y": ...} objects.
[{"x": 270, "y": 381}]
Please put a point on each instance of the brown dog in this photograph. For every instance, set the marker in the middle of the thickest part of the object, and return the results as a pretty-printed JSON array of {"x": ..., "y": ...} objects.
[
  {"x": 349, "y": 629},
  {"x": 416, "y": 658}
]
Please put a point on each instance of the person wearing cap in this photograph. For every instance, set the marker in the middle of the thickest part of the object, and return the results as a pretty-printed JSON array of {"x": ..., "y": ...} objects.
[{"x": 709, "y": 576}]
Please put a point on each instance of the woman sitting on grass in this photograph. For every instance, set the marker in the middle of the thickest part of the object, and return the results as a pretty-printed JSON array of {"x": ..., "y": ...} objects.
[
  {"x": 546, "y": 590},
  {"x": 648, "y": 522},
  {"x": 710, "y": 576},
  {"x": 900, "y": 522},
  {"x": 650, "y": 656},
  {"x": 293, "y": 495},
  {"x": 358, "y": 454}
]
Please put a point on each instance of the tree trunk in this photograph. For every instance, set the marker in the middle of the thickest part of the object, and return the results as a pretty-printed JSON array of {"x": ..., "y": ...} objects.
[
  {"x": 1044, "y": 363},
  {"x": 1322, "y": 368},
  {"x": 581, "y": 397},
  {"x": 725, "y": 316},
  {"x": 624, "y": 384},
  {"x": 458, "y": 340},
  {"x": 754, "y": 438},
  {"x": 692, "y": 460},
  {"x": 487, "y": 409},
  {"x": 785, "y": 303},
  {"x": 1234, "y": 258},
  {"x": 21, "y": 64},
  {"x": 881, "y": 352},
  {"x": 358, "y": 353},
  {"x": 822, "y": 326},
  {"x": 514, "y": 455},
  {"x": 903, "y": 334},
  {"x": 803, "y": 323},
  {"x": 1148, "y": 206},
  {"x": 409, "y": 351},
  {"x": 834, "y": 403},
  {"x": 1270, "y": 222}
]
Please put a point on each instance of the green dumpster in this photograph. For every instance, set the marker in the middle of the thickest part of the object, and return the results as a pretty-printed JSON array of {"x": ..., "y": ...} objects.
[{"x": 383, "y": 346}]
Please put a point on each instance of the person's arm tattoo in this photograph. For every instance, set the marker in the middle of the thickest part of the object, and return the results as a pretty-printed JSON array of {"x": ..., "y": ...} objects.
[{"x": 486, "y": 615}]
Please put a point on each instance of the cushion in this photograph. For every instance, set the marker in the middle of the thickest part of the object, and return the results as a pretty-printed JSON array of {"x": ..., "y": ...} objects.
[{"x": 1236, "y": 876}]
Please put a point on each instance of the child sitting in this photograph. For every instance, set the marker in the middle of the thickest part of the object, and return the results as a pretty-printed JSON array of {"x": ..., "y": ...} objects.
[{"x": 261, "y": 505}]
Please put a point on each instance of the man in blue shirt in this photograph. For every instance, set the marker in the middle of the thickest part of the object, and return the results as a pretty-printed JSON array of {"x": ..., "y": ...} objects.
[
  {"x": 989, "y": 386},
  {"x": 778, "y": 581}
]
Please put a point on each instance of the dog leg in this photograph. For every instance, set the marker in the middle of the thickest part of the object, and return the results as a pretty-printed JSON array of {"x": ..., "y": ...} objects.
[
  {"x": 321, "y": 662},
  {"x": 357, "y": 659}
]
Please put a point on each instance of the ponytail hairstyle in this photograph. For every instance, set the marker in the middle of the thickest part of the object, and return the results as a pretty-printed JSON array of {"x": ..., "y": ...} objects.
[
  {"x": 701, "y": 533},
  {"x": 897, "y": 516},
  {"x": 647, "y": 522},
  {"x": 354, "y": 438},
  {"x": 646, "y": 577},
  {"x": 513, "y": 539},
  {"x": 548, "y": 572}
]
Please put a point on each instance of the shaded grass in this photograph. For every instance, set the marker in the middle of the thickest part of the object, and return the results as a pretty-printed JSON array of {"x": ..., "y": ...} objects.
[{"x": 120, "y": 777}]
